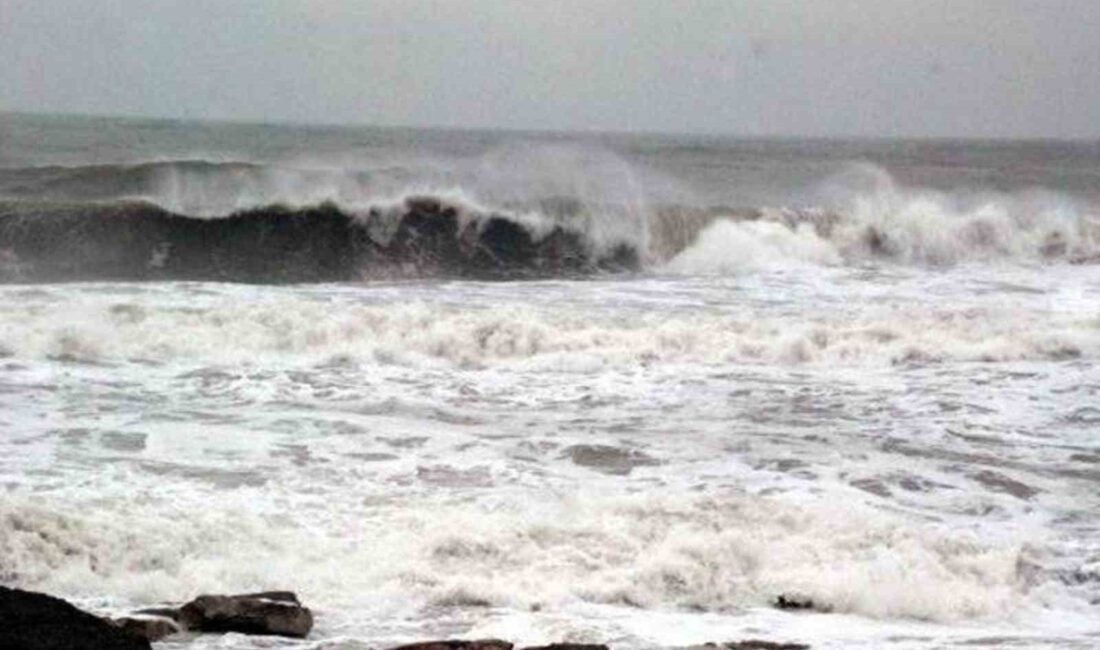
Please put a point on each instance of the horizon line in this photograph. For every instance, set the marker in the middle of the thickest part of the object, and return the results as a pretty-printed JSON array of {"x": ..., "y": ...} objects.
[{"x": 321, "y": 124}]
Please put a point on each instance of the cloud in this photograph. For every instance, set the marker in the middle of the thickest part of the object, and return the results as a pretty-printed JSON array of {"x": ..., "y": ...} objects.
[{"x": 837, "y": 67}]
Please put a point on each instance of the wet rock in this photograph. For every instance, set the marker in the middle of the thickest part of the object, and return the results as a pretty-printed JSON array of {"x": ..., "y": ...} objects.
[
  {"x": 34, "y": 621},
  {"x": 454, "y": 644},
  {"x": 757, "y": 644},
  {"x": 272, "y": 612},
  {"x": 798, "y": 601},
  {"x": 150, "y": 628}
]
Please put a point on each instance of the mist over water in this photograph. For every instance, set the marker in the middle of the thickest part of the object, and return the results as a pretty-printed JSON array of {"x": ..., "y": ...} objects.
[{"x": 543, "y": 387}]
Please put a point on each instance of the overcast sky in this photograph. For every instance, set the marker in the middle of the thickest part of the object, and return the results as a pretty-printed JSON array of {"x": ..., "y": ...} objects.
[{"x": 809, "y": 67}]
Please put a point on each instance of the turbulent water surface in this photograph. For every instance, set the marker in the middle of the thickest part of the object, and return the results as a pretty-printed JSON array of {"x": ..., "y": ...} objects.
[{"x": 626, "y": 389}]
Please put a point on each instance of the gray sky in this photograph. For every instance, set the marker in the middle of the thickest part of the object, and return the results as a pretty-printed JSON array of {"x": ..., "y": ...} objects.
[{"x": 809, "y": 67}]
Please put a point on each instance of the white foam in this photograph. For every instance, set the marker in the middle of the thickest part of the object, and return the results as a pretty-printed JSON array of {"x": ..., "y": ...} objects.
[
  {"x": 399, "y": 453},
  {"x": 923, "y": 226},
  {"x": 711, "y": 553},
  {"x": 727, "y": 247},
  {"x": 232, "y": 325},
  {"x": 871, "y": 218}
]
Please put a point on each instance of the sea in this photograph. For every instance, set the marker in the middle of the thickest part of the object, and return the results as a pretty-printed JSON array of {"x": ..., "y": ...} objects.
[{"x": 597, "y": 387}]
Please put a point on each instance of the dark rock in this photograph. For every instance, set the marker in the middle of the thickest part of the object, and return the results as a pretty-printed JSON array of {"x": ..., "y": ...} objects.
[
  {"x": 757, "y": 644},
  {"x": 795, "y": 601},
  {"x": 33, "y": 621},
  {"x": 150, "y": 628},
  {"x": 569, "y": 646},
  {"x": 274, "y": 612},
  {"x": 454, "y": 644}
]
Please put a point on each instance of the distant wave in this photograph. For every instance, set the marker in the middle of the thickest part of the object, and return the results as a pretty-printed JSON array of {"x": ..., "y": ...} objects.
[{"x": 90, "y": 182}]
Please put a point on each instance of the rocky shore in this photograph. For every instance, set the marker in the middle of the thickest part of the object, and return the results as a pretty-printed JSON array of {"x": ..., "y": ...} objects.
[{"x": 35, "y": 621}]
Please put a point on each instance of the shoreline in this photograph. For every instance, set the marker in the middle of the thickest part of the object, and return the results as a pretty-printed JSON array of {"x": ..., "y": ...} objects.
[{"x": 37, "y": 621}]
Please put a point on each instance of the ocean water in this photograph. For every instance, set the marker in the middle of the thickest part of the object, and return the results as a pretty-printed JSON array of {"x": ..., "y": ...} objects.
[{"x": 693, "y": 374}]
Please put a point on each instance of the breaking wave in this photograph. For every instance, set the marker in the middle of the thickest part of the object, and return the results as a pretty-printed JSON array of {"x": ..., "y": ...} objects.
[
  {"x": 867, "y": 217},
  {"x": 554, "y": 213},
  {"x": 413, "y": 236},
  {"x": 232, "y": 326},
  {"x": 242, "y": 221},
  {"x": 720, "y": 553}
]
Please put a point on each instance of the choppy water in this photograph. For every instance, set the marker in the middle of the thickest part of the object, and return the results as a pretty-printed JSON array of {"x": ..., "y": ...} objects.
[{"x": 860, "y": 372}]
